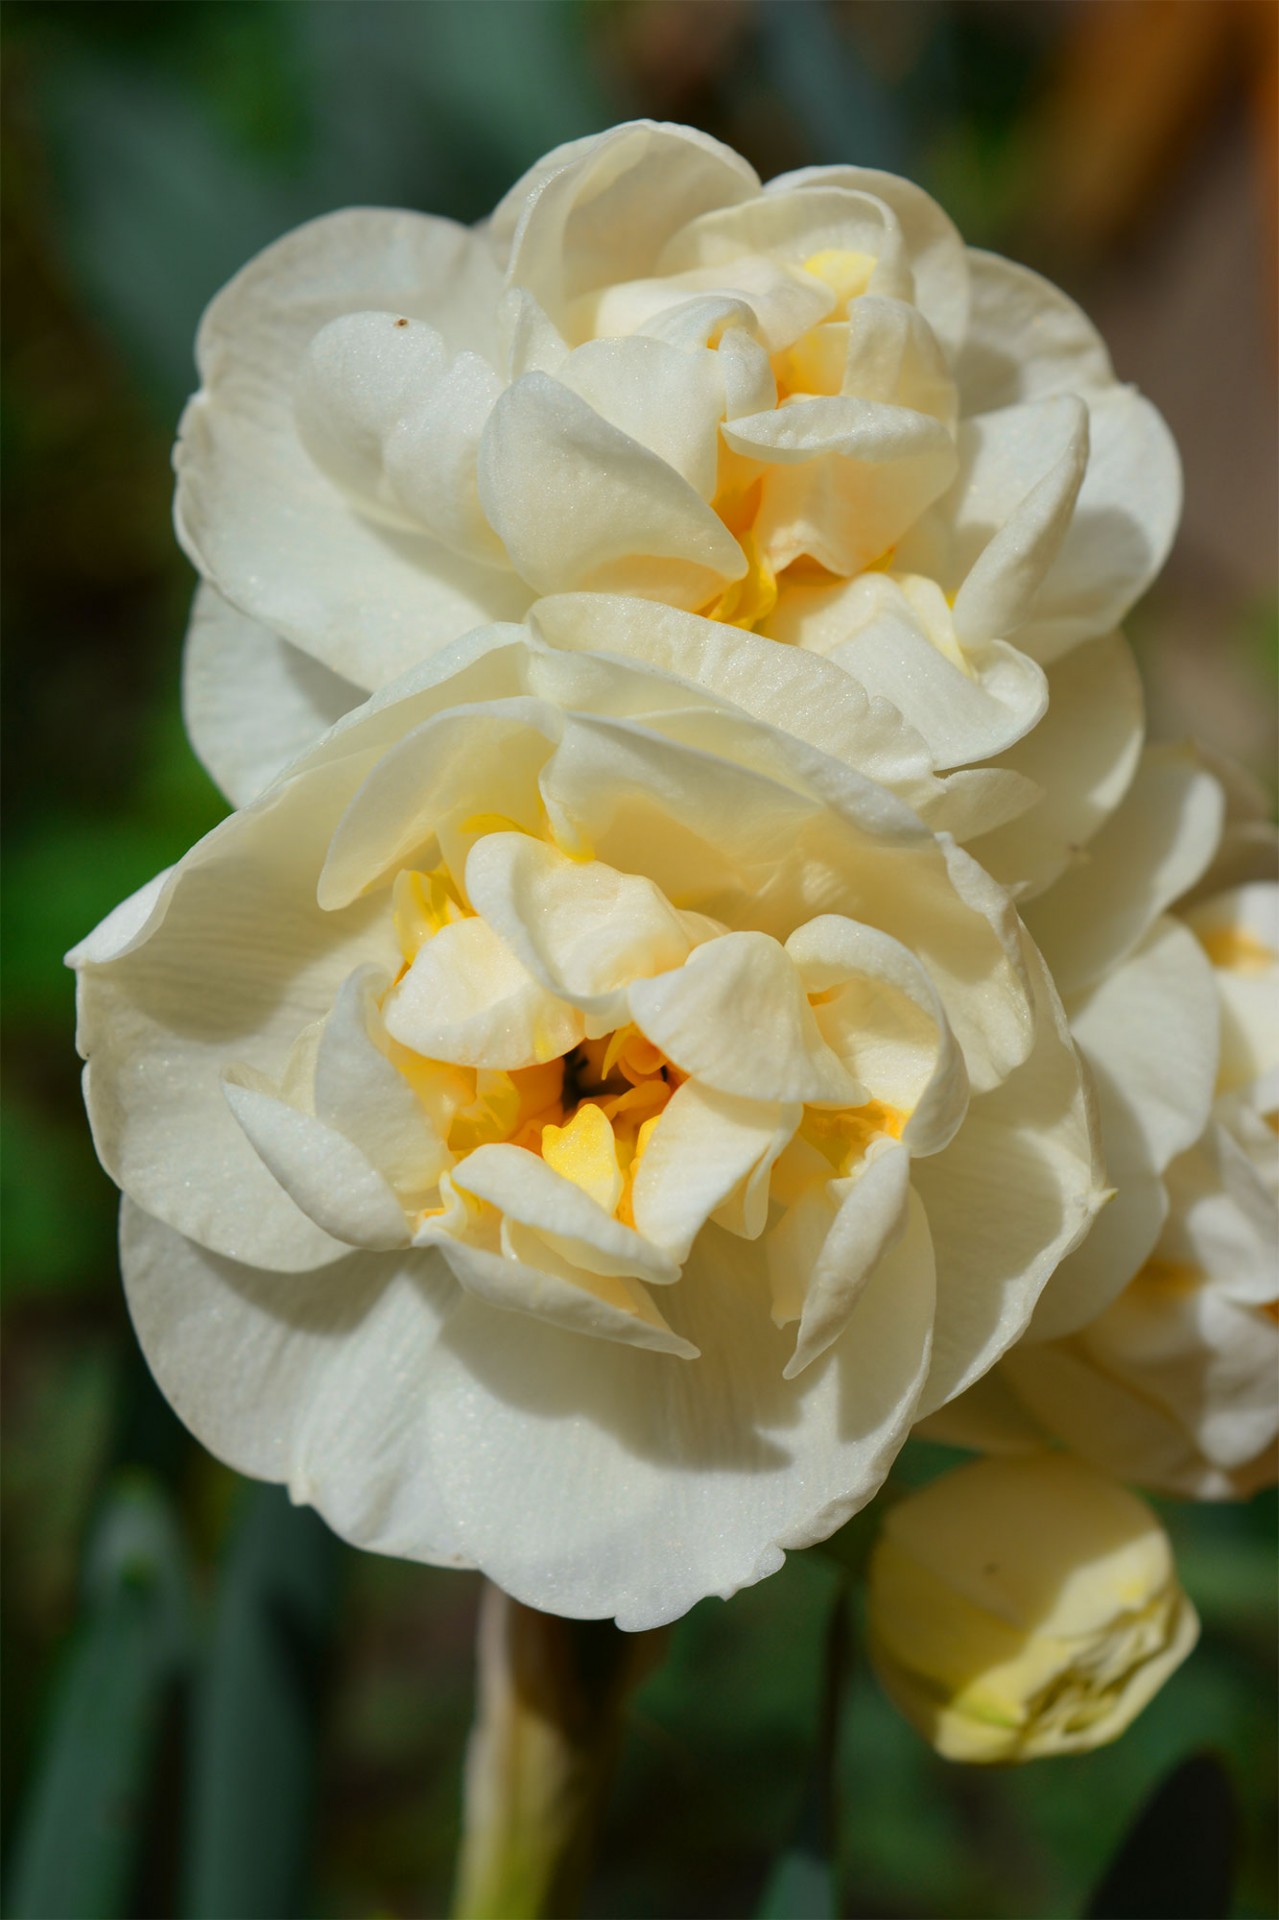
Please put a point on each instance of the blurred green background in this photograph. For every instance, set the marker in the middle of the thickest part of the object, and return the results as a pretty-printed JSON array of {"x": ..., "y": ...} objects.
[{"x": 211, "y": 1707}]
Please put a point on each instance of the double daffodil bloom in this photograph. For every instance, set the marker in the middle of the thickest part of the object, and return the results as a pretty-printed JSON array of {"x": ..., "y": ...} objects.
[
  {"x": 571, "y": 1127},
  {"x": 805, "y": 411}
]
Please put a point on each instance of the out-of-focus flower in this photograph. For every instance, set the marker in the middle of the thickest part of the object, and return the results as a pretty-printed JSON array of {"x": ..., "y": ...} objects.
[
  {"x": 805, "y": 410},
  {"x": 1155, "y": 1350},
  {"x": 548, "y": 998},
  {"x": 1021, "y": 1608}
]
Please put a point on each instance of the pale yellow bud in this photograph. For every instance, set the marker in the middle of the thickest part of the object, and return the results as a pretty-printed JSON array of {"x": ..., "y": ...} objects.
[{"x": 1023, "y": 1607}]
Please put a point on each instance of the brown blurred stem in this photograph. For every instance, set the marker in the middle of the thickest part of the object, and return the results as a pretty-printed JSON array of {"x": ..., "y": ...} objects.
[{"x": 552, "y": 1695}]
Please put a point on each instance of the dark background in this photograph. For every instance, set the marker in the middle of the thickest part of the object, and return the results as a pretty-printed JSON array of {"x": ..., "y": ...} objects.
[{"x": 202, "y": 1643}]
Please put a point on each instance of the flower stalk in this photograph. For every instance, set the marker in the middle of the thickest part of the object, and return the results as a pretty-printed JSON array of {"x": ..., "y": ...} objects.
[{"x": 551, "y": 1699}]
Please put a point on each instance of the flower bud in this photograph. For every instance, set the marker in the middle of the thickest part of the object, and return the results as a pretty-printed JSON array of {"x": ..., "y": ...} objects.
[{"x": 1024, "y": 1607}]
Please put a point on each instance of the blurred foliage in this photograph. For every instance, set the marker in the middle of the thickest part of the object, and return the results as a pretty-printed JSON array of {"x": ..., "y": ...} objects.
[{"x": 148, "y": 149}]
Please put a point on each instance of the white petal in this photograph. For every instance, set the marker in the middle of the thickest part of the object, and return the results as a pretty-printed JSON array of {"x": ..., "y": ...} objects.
[
  {"x": 1149, "y": 1034},
  {"x": 1025, "y": 339},
  {"x": 735, "y": 1016},
  {"x": 1082, "y": 755},
  {"x": 1123, "y": 526},
  {"x": 467, "y": 998},
  {"x": 525, "y": 1189},
  {"x": 264, "y": 525},
  {"x": 893, "y": 356},
  {"x": 465, "y": 761},
  {"x": 872, "y": 630},
  {"x": 582, "y": 505},
  {"x": 529, "y": 1278},
  {"x": 847, "y": 477},
  {"x": 669, "y": 400},
  {"x": 874, "y": 1213},
  {"x": 705, "y": 1146},
  {"x": 235, "y": 959},
  {"x": 599, "y": 210},
  {"x": 251, "y": 701},
  {"x": 933, "y": 248},
  {"x": 322, "y": 1172},
  {"x": 360, "y": 1093},
  {"x": 312, "y": 1379},
  {"x": 632, "y": 1487},
  {"x": 821, "y": 704},
  {"x": 1001, "y": 584},
  {"x": 1148, "y": 853},
  {"x": 581, "y": 928},
  {"x": 1016, "y": 1189},
  {"x": 882, "y": 1015},
  {"x": 791, "y": 227}
]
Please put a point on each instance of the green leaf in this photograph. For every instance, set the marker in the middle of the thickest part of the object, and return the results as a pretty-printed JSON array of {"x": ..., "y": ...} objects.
[
  {"x": 1177, "y": 1861},
  {"x": 257, "y": 1716},
  {"x": 79, "y": 1844}
]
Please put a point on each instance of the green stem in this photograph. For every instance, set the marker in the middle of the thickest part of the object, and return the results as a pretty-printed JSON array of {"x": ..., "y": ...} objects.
[{"x": 552, "y": 1694}]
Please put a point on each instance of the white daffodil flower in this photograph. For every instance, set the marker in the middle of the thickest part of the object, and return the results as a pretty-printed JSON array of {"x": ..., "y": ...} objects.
[
  {"x": 805, "y": 411},
  {"x": 573, "y": 1128},
  {"x": 1155, "y": 1350},
  {"x": 1023, "y": 1608}
]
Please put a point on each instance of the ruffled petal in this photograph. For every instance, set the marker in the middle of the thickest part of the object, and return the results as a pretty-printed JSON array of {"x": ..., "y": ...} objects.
[
  {"x": 251, "y": 702},
  {"x": 1147, "y": 854}
]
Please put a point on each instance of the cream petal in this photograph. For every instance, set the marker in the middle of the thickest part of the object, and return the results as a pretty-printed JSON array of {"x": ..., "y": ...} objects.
[
  {"x": 882, "y": 1015},
  {"x": 789, "y": 228},
  {"x": 1000, "y": 587},
  {"x": 323, "y": 1172},
  {"x": 1107, "y": 1423},
  {"x": 467, "y": 998},
  {"x": 988, "y": 1417},
  {"x": 1149, "y": 1035},
  {"x": 704, "y": 1148},
  {"x": 1025, "y": 339},
  {"x": 1222, "y": 1216},
  {"x": 847, "y": 477},
  {"x": 1123, "y": 527},
  {"x": 633, "y": 1488},
  {"x": 599, "y": 210},
  {"x": 1149, "y": 1031},
  {"x": 234, "y": 960},
  {"x": 251, "y": 702},
  {"x": 822, "y": 705},
  {"x": 1210, "y": 1363},
  {"x": 893, "y": 356},
  {"x": 1014, "y": 1191},
  {"x": 869, "y": 628},
  {"x": 666, "y": 398},
  {"x": 530, "y": 1278},
  {"x": 582, "y": 929},
  {"x": 937, "y": 257},
  {"x": 877, "y": 1221},
  {"x": 360, "y": 1094},
  {"x": 1242, "y": 925},
  {"x": 533, "y": 343},
  {"x": 580, "y": 504},
  {"x": 734, "y": 1015},
  {"x": 457, "y": 764},
  {"x": 259, "y": 519},
  {"x": 526, "y": 1190},
  {"x": 311, "y": 1379},
  {"x": 1148, "y": 853},
  {"x": 771, "y": 302},
  {"x": 1082, "y": 755}
]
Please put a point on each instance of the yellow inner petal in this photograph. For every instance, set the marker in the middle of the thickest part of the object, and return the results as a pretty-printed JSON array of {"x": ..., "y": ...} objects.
[{"x": 585, "y": 1152}]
